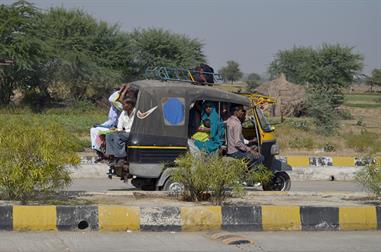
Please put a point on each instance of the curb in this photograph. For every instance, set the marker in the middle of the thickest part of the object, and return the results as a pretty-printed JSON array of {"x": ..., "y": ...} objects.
[
  {"x": 341, "y": 168},
  {"x": 199, "y": 218},
  {"x": 293, "y": 161}
]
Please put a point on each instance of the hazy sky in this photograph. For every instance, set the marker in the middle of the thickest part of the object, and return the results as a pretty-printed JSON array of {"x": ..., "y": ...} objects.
[{"x": 248, "y": 31}]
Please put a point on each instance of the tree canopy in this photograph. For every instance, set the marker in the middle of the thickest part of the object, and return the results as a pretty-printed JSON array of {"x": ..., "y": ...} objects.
[
  {"x": 326, "y": 70},
  {"x": 157, "y": 47},
  {"x": 326, "y": 65},
  {"x": 231, "y": 72},
  {"x": 70, "y": 50},
  {"x": 376, "y": 77}
]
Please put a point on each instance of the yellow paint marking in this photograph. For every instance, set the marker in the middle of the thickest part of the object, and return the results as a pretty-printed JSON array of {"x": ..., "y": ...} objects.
[
  {"x": 118, "y": 218},
  {"x": 201, "y": 218},
  {"x": 281, "y": 218},
  {"x": 298, "y": 161},
  {"x": 343, "y": 161},
  {"x": 35, "y": 218},
  {"x": 357, "y": 218}
]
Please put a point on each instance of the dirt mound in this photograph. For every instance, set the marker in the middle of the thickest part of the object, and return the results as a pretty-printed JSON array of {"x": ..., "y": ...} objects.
[{"x": 290, "y": 97}]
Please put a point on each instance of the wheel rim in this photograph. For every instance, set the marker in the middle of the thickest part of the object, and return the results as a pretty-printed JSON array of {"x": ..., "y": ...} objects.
[
  {"x": 175, "y": 187},
  {"x": 279, "y": 183}
]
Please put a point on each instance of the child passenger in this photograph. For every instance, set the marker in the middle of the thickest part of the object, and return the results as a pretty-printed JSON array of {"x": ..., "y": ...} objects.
[{"x": 203, "y": 134}]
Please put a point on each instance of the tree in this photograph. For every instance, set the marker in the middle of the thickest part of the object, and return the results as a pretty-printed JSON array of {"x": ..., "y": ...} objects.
[
  {"x": 254, "y": 77},
  {"x": 231, "y": 72},
  {"x": 73, "y": 51},
  {"x": 374, "y": 79},
  {"x": 253, "y": 81},
  {"x": 89, "y": 56},
  {"x": 157, "y": 47},
  {"x": 19, "y": 42},
  {"x": 327, "y": 65},
  {"x": 327, "y": 70}
]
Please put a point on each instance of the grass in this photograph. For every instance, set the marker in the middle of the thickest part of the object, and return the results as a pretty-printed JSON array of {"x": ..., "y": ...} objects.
[
  {"x": 76, "y": 122},
  {"x": 363, "y": 100},
  {"x": 357, "y": 136}
]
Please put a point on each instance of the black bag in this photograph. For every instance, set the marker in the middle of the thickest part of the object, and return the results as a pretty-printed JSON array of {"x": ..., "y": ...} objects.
[{"x": 208, "y": 72}]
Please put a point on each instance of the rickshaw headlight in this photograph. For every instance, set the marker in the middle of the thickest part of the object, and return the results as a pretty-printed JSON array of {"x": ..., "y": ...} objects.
[{"x": 275, "y": 149}]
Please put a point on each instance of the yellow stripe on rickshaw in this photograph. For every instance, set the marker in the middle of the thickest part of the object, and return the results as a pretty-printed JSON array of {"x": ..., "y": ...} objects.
[{"x": 159, "y": 147}]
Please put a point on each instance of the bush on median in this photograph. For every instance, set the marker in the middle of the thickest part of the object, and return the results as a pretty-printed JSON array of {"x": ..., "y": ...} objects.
[
  {"x": 33, "y": 156},
  {"x": 215, "y": 175},
  {"x": 370, "y": 177}
]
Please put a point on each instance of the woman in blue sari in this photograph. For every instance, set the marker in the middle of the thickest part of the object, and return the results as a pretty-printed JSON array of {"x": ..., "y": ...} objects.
[{"x": 217, "y": 132}]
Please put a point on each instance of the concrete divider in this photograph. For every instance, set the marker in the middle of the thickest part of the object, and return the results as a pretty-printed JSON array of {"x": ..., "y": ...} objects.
[
  {"x": 195, "y": 218},
  {"x": 340, "y": 168}
]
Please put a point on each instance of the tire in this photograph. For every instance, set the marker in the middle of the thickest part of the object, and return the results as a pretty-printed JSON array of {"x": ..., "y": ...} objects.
[
  {"x": 280, "y": 182},
  {"x": 173, "y": 187}
]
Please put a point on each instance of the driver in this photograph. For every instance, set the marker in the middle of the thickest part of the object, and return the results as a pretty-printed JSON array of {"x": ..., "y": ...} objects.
[{"x": 236, "y": 142}]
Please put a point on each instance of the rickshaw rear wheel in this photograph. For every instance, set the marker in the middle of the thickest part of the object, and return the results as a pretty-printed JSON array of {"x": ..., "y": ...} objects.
[
  {"x": 280, "y": 182},
  {"x": 173, "y": 187}
]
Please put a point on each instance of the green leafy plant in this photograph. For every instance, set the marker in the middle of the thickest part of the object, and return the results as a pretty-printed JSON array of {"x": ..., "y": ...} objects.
[
  {"x": 345, "y": 114},
  {"x": 215, "y": 175},
  {"x": 33, "y": 158},
  {"x": 370, "y": 177},
  {"x": 329, "y": 147},
  {"x": 300, "y": 124}
]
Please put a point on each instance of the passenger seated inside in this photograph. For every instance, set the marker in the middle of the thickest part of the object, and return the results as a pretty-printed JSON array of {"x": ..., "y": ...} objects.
[
  {"x": 217, "y": 131},
  {"x": 202, "y": 134}
]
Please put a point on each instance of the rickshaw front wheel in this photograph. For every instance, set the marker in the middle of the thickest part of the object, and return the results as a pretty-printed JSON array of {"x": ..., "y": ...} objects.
[
  {"x": 280, "y": 182},
  {"x": 173, "y": 187}
]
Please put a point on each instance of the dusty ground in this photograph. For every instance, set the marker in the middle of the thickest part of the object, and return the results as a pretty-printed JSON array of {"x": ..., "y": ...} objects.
[{"x": 157, "y": 199}]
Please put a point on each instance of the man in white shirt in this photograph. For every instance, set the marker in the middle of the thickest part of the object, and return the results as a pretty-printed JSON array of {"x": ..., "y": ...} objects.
[
  {"x": 113, "y": 115},
  {"x": 116, "y": 142}
]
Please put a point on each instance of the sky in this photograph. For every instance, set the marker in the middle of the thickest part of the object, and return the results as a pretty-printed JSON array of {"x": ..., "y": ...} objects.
[{"x": 249, "y": 32}]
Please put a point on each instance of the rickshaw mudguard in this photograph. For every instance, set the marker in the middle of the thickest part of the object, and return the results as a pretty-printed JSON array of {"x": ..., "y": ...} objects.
[
  {"x": 164, "y": 176},
  {"x": 280, "y": 165},
  {"x": 146, "y": 170}
]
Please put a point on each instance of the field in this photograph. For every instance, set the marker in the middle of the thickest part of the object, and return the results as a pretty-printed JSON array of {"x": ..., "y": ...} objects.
[
  {"x": 77, "y": 122},
  {"x": 363, "y": 101},
  {"x": 359, "y": 135}
]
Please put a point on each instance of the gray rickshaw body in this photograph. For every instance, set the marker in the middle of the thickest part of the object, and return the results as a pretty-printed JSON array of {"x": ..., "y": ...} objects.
[{"x": 153, "y": 142}]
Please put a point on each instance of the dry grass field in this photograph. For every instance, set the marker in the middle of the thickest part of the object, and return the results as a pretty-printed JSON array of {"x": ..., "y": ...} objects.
[{"x": 360, "y": 135}]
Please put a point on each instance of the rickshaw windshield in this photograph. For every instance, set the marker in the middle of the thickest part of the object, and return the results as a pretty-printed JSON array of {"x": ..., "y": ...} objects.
[{"x": 265, "y": 125}]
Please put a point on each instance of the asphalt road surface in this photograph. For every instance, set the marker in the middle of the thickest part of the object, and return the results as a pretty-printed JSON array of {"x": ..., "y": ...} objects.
[
  {"x": 262, "y": 241},
  {"x": 104, "y": 185}
]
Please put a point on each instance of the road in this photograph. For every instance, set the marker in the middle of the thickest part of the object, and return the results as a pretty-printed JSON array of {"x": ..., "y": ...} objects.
[
  {"x": 103, "y": 185},
  {"x": 263, "y": 241}
]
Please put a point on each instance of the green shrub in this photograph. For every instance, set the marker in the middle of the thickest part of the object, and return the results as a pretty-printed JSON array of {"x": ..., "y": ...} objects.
[
  {"x": 345, "y": 114},
  {"x": 300, "y": 124},
  {"x": 33, "y": 156},
  {"x": 370, "y": 177},
  {"x": 329, "y": 147},
  {"x": 301, "y": 143},
  {"x": 363, "y": 142},
  {"x": 215, "y": 174}
]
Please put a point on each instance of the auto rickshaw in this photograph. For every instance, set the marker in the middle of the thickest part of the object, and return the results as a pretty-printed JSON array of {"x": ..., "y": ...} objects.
[{"x": 160, "y": 132}]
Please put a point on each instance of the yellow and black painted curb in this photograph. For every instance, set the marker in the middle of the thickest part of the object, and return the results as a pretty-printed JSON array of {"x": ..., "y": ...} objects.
[
  {"x": 299, "y": 161},
  {"x": 197, "y": 218},
  {"x": 328, "y": 161}
]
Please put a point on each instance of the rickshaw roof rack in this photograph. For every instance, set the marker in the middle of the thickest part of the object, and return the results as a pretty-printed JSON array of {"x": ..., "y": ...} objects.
[{"x": 191, "y": 76}]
